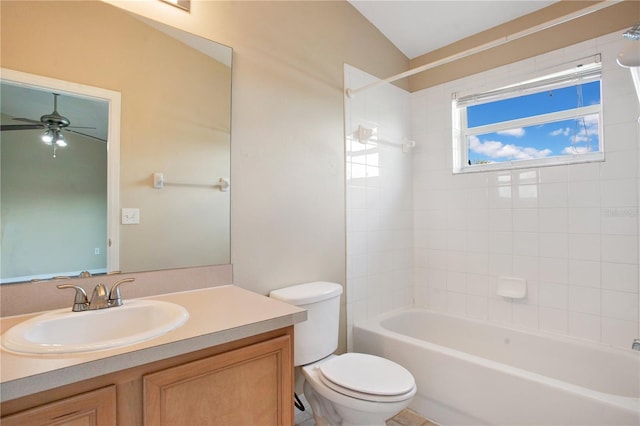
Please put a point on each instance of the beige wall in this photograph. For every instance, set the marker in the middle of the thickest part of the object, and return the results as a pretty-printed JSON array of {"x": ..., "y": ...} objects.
[
  {"x": 613, "y": 18},
  {"x": 288, "y": 215},
  {"x": 171, "y": 123},
  {"x": 287, "y": 176}
]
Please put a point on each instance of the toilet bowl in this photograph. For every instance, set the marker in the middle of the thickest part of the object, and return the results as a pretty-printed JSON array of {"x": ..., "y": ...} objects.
[
  {"x": 349, "y": 389},
  {"x": 356, "y": 389}
]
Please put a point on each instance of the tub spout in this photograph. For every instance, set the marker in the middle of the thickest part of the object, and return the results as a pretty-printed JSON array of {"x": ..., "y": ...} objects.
[{"x": 636, "y": 345}]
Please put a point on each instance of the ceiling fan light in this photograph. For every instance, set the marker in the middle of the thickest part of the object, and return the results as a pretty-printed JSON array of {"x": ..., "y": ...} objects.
[
  {"x": 60, "y": 139},
  {"x": 47, "y": 137}
]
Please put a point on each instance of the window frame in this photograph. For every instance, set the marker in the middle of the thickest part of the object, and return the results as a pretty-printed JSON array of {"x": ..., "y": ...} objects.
[{"x": 581, "y": 71}]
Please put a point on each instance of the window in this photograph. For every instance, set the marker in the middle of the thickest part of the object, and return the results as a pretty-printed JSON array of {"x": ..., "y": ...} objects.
[{"x": 553, "y": 119}]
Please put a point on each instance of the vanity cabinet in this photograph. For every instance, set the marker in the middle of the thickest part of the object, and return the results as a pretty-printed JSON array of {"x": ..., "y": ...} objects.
[
  {"x": 240, "y": 387},
  {"x": 88, "y": 409},
  {"x": 243, "y": 382}
]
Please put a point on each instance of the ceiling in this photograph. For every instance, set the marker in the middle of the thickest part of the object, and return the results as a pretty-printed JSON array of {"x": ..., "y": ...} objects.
[
  {"x": 421, "y": 26},
  {"x": 21, "y": 101}
]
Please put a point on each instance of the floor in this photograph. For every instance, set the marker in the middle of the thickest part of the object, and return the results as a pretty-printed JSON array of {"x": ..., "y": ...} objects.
[
  {"x": 409, "y": 418},
  {"x": 404, "y": 418}
]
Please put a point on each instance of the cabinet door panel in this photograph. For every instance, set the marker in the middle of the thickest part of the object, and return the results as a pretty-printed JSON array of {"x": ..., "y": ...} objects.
[
  {"x": 247, "y": 386},
  {"x": 95, "y": 408}
]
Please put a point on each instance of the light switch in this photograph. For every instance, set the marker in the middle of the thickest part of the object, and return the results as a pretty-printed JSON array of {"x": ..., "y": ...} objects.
[{"x": 130, "y": 216}]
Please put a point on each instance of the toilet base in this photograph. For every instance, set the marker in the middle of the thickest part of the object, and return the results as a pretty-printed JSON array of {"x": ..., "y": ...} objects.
[{"x": 328, "y": 413}]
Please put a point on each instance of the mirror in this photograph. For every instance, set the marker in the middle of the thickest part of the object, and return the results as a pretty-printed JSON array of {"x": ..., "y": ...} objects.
[{"x": 175, "y": 119}]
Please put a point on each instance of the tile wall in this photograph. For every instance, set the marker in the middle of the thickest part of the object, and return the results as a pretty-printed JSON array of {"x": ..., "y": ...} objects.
[
  {"x": 379, "y": 200},
  {"x": 570, "y": 231}
]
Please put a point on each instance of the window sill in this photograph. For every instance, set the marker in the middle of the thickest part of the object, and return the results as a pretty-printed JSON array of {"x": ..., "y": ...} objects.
[{"x": 527, "y": 164}]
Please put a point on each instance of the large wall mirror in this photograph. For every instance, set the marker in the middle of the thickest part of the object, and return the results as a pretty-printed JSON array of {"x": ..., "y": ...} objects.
[{"x": 63, "y": 215}]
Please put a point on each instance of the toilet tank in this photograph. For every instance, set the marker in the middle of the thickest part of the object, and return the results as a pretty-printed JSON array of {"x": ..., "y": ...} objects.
[{"x": 317, "y": 337}]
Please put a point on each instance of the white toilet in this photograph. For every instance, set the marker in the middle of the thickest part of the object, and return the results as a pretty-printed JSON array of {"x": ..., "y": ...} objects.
[{"x": 348, "y": 389}]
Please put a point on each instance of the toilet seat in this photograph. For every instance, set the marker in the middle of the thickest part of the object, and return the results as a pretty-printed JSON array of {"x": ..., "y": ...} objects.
[{"x": 367, "y": 377}]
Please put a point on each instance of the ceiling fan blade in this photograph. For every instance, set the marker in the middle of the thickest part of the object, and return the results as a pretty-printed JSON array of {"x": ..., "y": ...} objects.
[
  {"x": 84, "y": 134},
  {"x": 4, "y": 127},
  {"x": 79, "y": 127},
  {"x": 28, "y": 120}
]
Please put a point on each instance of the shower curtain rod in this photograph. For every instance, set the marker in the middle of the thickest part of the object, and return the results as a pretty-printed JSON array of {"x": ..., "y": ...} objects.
[{"x": 486, "y": 46}]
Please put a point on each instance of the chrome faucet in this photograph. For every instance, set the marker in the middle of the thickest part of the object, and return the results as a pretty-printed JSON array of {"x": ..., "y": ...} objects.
[
  {"x": 636, "y": 345},
  {"x": 100, "y": 299}
]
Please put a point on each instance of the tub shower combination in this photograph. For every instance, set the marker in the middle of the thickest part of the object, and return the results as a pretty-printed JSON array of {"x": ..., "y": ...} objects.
[{"x": 469, "y": 372}]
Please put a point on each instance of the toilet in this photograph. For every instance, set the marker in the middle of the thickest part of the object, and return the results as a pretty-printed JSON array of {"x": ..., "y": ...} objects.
[{"x": 348, "y": 389}]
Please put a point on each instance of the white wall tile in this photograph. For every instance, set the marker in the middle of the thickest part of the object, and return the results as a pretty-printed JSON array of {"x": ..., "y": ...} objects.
[
  {"x": 501, "y": 242},
  {"x": 553, "y": 320},
  {"x": 526, "y": 267},
  {"x": 571, "y": 231},
  {"x": 525, "y": 316},
  {"x": 619, "y": 193},
  {"x": 525, "y": 244},
  {"x": 584, "y": 299},
  {"x": 620, "y": 276},
  {"x": 584, "y": 220},
  {"x": 525, "y": 220},
  {"x": 620, "y": 220},
  {"x": 584, "y": 246},
  {"x": 584, "y": 326},
  {"x": 553, "y": 219},
  {"x": 554, "y": 270},
  {"x": 620, "y": 305},
  {"x": 554, "y": 194},
  {"x": 552, "y": 174},
  {"x": 583, "y": 194},
  {"x": 553, "y": 295},
  {"x": 554, "y": 245},
  {"x": 618, "y": 332},
  {"x": 584, "y": 273},
  {"x": 620, "y": 248}
]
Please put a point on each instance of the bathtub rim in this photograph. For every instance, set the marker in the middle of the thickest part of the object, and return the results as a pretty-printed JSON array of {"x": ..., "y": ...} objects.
[{"x": 627, "y": 403}]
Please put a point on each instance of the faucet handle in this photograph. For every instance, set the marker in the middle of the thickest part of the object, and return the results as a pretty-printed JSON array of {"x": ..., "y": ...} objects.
[
  {"x": 81, "y": 302},
  {"x": 115, "y": 298}
]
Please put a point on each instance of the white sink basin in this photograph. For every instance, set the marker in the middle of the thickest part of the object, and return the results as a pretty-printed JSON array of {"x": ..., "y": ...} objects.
[{"x": 63, "y": 331}]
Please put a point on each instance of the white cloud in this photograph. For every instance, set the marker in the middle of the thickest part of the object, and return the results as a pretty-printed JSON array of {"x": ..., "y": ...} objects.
[
  {"x": 564, "y": 132},
  {"x": 573, "y": 150},
  {"x": 496, "y": 149},
  {"x": 518, "y": 133}
]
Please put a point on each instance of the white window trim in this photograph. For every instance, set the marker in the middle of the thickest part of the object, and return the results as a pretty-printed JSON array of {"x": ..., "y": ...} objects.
[{"x": 592, "y": 71}]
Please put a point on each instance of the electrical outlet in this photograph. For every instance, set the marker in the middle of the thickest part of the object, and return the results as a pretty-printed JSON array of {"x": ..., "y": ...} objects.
[{"x": 96, "y": 251}]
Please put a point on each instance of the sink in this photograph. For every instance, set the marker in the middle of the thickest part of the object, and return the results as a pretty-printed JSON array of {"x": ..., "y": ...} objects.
[{"x": 62, "y": 331}]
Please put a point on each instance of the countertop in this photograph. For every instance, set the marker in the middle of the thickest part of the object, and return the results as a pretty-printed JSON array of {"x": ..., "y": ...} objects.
[{"x": 217, "y": 315}]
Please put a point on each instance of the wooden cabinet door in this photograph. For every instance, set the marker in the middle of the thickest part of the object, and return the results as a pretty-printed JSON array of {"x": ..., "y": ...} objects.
[
  {"x": 252, "y": 385},
  {"x": 95, "y": 408}
]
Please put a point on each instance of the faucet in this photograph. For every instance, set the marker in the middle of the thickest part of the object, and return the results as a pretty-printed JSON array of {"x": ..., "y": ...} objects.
[
  {"x": 636, "y": 345},
  {"x": 100, "y": 298}
]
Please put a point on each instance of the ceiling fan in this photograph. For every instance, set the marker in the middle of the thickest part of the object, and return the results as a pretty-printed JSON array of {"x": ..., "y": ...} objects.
[{"x": 53, "y": 125}]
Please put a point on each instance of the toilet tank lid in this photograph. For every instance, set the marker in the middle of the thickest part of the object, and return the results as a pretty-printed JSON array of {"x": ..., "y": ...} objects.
[{"x": 304, "y": 294}]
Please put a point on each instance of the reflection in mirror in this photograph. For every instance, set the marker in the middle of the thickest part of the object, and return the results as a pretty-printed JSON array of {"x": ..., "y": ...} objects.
[
  {"x": 53, "y": 179},
  {"x": 175, "y": 120}
]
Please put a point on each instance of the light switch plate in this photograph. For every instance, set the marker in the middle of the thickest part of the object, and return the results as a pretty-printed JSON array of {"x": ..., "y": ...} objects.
[{"x": 130, "y": 216}]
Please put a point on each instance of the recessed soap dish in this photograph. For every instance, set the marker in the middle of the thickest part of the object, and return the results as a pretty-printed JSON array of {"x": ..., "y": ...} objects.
[{"x": 511, "y": 287}]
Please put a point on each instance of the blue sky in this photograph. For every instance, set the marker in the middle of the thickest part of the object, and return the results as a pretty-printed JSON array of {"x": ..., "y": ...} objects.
[{"x": 550, "y": 139}]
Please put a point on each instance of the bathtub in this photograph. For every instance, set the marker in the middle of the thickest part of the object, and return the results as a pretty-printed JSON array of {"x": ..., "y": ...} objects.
[{"x": 472, "y": 373}]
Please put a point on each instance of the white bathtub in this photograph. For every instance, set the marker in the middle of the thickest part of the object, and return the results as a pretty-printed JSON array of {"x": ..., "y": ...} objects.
[{"x": 472, "y": 373}]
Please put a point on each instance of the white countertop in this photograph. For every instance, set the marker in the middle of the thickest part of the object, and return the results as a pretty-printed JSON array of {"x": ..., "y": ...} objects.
[{"x": 217, "y": 315}]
